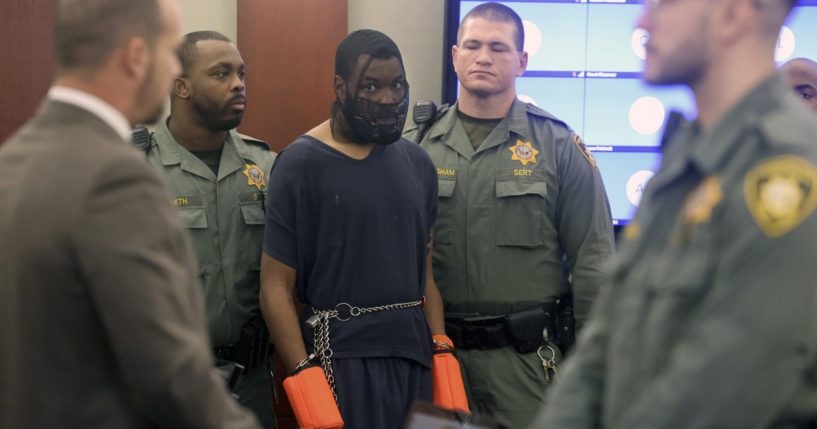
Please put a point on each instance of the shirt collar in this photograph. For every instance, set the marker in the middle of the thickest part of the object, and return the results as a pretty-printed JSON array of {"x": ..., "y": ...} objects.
[
  {"x": 95, "y": 105},
  {"x": 724, "y": 138}
]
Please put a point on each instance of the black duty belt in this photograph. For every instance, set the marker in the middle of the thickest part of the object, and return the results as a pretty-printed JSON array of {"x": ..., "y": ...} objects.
[
  {"x": 524, "y": 330},
  {"x": 482, "y": 334}
]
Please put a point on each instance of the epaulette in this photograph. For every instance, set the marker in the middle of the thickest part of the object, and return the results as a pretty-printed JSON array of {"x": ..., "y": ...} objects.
[
  {"x": 441, "y": 111},
  {"x": 537, "y": 111},
  {"x": 786, "y": 127},
  {"x": 253, "y": 141}
]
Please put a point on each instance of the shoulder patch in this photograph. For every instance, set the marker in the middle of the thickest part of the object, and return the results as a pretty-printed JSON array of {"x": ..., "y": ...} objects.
[
  {"x": 585, "y": 152},
  {"x": 780, "y": 193}
]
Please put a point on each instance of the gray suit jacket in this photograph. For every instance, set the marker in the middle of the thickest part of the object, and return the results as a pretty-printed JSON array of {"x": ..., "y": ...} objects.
[{"x": 101, "y": 316}]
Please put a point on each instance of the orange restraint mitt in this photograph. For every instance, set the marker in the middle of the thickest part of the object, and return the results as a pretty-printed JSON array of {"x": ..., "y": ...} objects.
[
  {"x": 449, "y": 392},
  {"x": 312, "y": 399}
]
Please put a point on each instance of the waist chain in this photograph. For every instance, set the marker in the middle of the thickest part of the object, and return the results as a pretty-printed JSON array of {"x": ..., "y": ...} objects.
[{"x": 343, "y": 312}]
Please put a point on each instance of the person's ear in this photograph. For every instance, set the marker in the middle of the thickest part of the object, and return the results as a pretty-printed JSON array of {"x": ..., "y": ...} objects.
[
  {"x": 523, "y": 62},
  {"x": 340, "y": 88},
  {"x": 135, "y": 58},
  {"x": 181, "y": 87},
  {"x": 454, "y": 51},
  {"x": 731, "y": 19}
]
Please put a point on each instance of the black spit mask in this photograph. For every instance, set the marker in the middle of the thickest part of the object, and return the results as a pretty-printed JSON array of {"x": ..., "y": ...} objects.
[
  {"x": 369, "y": 121},
  {"x": 372, "y": 122}
]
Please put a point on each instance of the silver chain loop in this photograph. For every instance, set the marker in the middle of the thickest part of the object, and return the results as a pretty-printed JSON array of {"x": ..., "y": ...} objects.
[{"x": 320, "y": 324}]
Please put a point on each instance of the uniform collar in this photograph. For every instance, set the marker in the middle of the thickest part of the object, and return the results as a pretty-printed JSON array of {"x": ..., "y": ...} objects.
[
  {"x": 234, "y": 155},
  {"x": 719, "y": 143},
  {"x": 514, "y": 122},
  {"x": 706, "y": 151}
]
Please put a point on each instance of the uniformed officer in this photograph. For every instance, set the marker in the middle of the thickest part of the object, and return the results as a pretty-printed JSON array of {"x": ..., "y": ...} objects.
[
  {"x": 217, "y": 179},
  {"x": 802, "y": 76},
  {"x": 520, "y": 198},
  {"x": 709, "y": 318}
]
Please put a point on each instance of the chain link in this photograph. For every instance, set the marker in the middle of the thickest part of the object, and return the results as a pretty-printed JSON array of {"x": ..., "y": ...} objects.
[{"x": 320, "y": 323}]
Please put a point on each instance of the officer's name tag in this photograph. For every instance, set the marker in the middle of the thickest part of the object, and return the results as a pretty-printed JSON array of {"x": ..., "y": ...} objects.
[
  {"x": 191, "y": 201},
  {"x": 446, "y": 172}
]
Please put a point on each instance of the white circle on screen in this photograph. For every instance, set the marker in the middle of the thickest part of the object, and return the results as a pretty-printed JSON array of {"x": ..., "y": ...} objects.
[
  {"x": 533, "y": 38},
  {"x": 527, "y": 99},
  {"x": 785, "y": 44},
  {"x": 636, "y": 184},
  {"x": 637, "y": 42},
  {"x": 646, "y": 115}
]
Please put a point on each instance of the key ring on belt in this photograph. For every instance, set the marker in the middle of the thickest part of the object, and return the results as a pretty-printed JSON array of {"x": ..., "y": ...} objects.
[{"x": 320, "y": 324}]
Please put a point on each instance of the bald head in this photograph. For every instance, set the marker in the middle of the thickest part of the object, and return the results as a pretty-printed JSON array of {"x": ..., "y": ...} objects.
[{"x": 802, "y": 76}]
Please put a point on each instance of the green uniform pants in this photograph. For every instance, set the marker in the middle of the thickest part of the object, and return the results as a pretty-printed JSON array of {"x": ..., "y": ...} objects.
[{"x": 503, "y": 384}]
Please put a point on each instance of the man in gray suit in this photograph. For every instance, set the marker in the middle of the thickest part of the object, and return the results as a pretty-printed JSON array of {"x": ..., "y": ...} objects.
[{"x": 101, "y": 317}]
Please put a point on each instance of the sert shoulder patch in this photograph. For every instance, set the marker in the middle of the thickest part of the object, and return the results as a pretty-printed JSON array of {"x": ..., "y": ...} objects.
[
  {"x": 780, "y": 193},
  {"x": 585, "y": 152}
]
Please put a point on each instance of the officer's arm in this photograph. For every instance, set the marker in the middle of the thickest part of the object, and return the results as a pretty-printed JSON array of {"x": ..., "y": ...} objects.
[
  {"x": 745, "y": 348},
  {"x": 584, "y": 221},
  {"x": 141, "y": 278},
  {"x": 278, "y": 306},
  {"x": 433, "y": 300}
]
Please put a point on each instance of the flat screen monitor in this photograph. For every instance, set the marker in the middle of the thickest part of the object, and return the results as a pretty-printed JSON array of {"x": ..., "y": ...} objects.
[{"x": 584, "y": 66}]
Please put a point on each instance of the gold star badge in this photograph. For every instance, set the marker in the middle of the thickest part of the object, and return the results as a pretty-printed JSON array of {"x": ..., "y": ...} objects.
[
  {"x": 780, "y": 193},
  {"x": 254, "y": 175},
  {"x": 523, "y": 152}
]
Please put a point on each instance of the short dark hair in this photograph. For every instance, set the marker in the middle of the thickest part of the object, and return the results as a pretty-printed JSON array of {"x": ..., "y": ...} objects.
[
  {"x": 86, "y": 32},
  {"x": 188, "y": 53},
  {"x": 363, "y": 42},
  {"x": 497, "y": 12}
]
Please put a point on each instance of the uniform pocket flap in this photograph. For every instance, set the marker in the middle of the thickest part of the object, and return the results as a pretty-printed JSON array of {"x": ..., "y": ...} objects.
[
  {"x": 511, "y": 188},
  {"x": 195, "y": 218},
  {"x": 253, "y": 213},
  {"x": 445, "y": 187}
]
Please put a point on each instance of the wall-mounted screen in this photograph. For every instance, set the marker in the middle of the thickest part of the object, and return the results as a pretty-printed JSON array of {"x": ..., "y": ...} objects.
[{"x": 584, "y": 67}]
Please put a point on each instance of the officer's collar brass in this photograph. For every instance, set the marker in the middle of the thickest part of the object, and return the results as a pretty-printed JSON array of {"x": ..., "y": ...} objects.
[{"x": 698, "y": 208}]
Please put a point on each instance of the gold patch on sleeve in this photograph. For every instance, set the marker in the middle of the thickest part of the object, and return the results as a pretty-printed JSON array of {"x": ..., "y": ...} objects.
[
  {"x": 780, "y": 193},
  {"x": 254, "y": 175},
  {"x": 586, "y": 152},
  {"x": 523, "y": 152}
]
